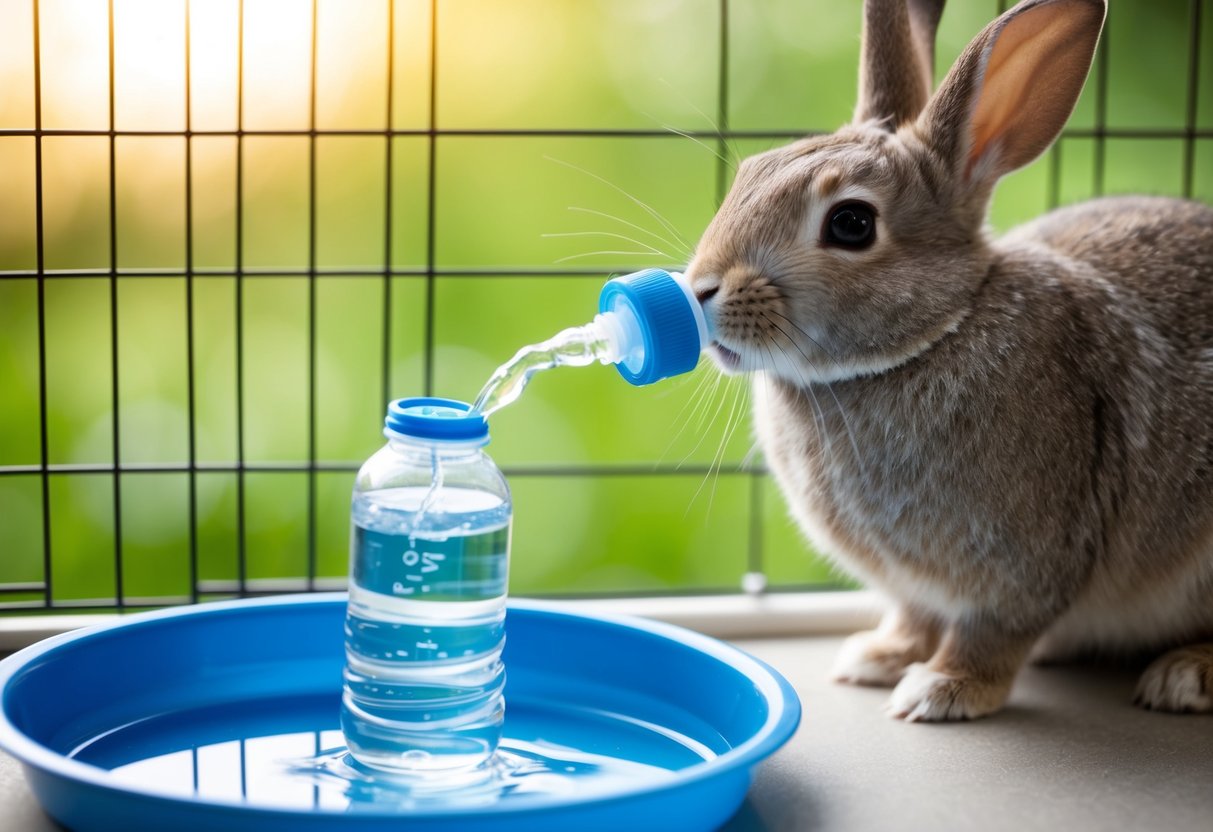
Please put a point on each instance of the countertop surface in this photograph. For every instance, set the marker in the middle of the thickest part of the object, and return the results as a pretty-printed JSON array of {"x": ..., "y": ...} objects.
[{"x": 1069, "y": 752}]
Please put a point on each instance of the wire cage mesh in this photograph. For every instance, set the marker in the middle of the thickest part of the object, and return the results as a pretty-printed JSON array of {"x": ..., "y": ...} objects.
[{"x": 232, "y": 230}]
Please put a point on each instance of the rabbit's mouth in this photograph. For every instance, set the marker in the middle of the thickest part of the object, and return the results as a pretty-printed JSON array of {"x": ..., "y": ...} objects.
[{"x": 728, "y": 360}]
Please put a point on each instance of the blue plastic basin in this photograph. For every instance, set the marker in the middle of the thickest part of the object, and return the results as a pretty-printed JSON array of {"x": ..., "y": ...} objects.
[{"x": 177, "y": 684}]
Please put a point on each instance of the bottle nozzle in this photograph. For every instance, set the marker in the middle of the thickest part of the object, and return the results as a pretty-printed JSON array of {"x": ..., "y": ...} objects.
[{"x": 656, "y": 326}]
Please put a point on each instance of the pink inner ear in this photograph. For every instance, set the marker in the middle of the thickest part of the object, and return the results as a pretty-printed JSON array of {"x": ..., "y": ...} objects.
[{"x": 1033, "y": 75}]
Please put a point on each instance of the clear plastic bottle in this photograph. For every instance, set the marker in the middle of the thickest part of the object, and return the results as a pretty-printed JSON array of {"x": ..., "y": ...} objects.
[{"x": 429, "y": 564}]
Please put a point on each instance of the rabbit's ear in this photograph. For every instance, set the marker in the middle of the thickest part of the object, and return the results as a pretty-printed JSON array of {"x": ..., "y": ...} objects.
[
  {"x": 1009, "y": 94},
  {"x": 897, "y": 63}
]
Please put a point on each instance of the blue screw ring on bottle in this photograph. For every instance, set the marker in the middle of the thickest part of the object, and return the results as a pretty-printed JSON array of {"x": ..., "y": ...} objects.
[
  {"x": 442, "y": 420},
  {"x": 667, "y": 323}
]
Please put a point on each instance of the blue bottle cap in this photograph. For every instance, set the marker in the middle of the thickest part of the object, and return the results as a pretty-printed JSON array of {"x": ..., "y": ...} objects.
[
  {"x": 441, "y": 420},
  {"x": 667, "y": 323}
]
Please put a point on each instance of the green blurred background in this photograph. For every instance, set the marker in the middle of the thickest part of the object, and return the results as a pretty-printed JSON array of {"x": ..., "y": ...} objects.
[{"x": 617, "y": 489}]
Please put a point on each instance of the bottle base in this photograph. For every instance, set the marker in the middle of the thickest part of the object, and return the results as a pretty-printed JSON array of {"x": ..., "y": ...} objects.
[
  {"x": 420, "y": 772},
  {"x": 417, "y": 753}
]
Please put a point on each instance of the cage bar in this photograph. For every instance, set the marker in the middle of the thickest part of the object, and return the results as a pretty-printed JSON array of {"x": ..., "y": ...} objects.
[
  {"x": 191, "y": 405},
  {"x": 431, "y": 284},
  {"x": 311, "y": 311},
  {"x": 240, "y": 541},
  {"x": 386, "y": 395},
  {"x": 40, "y": 249},
  {"x": 564, "y": 133},
  {"x": 1189, "y": 160},
  {"x": 620, "y": 470},
  {"x": 113, "y": 295}
]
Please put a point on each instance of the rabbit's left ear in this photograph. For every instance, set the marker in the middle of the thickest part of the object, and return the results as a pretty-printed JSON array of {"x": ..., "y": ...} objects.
[
  {"x": 897, "y": 60},
  {"x": 1009, "y": 94}
]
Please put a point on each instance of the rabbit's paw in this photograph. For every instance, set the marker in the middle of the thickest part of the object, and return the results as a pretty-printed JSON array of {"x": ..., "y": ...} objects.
[
  {"x": 925, "y": 695},
  {"x": 1180, "y": 681},
  {"x": 872, "y": 658}
]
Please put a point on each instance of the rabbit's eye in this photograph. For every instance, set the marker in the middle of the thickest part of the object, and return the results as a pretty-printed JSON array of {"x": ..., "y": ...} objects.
[{"x": 851, "y": 225}]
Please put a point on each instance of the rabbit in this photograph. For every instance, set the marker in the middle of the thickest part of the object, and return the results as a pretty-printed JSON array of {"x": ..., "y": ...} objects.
[{"x": 1010, "y": 438}]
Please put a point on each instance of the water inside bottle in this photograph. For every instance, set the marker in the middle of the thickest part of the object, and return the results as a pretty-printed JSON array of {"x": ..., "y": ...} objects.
[
  {"x": 425, "y": 629},
  {"x": 574, "y": 347}
]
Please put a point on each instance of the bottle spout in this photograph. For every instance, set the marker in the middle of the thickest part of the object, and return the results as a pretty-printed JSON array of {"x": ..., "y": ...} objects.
[{"x": 656, "y": 325}]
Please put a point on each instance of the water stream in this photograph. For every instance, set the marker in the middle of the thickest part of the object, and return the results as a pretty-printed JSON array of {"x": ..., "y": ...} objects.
[{"x": 576, "y": 346}]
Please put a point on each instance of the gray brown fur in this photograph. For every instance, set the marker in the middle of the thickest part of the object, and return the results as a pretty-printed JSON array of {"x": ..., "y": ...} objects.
[{"x": 1012, "y": 438}]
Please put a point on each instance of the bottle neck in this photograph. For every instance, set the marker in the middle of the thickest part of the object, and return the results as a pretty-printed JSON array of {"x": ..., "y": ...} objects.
[
  {"x": 702, "y": 324},
  {"x": 429, "y": 449}
]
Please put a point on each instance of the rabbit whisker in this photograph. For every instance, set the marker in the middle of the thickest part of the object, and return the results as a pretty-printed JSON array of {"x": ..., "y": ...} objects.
[
  {"x": 650, "y": 210},
  {"x": 715, "y": 416},
  {"x": 846, "y": 423},
  {"x": 814, "y": 403},
  {"x": 696, "y": 398},
  {"x": 808, "y": 337},
  {"x": 742, "y": 397},
  {"x": 759, "y": 386},
  {"x": 701, "y": 425},
  {"x": 611, "y": 234},
  {"x": 829, "y": 387},
  {"x": 603, "y": 252},
  {"x": 665, "y": 241},
  {"x": 730, "y": 146},
  {"x": 702, "y": 144},
  {"x": 713, "y": 472},
  {"x": 747, "y": 461}
]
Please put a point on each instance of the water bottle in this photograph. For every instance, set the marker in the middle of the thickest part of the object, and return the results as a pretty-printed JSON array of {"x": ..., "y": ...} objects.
[{"x": 425, "y": 624}]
